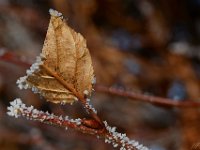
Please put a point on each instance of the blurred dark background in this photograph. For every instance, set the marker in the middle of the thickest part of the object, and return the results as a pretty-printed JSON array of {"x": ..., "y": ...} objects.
[{"x": 146, "y": 46}]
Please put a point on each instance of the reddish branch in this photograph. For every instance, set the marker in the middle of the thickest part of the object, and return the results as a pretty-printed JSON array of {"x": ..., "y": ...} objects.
[
  {"x": 97, "y": 123},
  {"x": 15, "y": 59},
  {"x": 44, "y": 117},
  {"x": 11, "y": 57},
  {"x": 18, "y": 109},
  {"x": 147, "y": 98}
]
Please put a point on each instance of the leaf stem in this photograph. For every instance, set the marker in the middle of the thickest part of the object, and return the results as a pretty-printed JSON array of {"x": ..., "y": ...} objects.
[{"x": 70, "y": 88}]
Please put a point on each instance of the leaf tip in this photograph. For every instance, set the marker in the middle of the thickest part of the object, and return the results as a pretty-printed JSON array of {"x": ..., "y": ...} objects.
[
  {"x": 86, "y": 92},
  {"x": 54, "y": 13}
]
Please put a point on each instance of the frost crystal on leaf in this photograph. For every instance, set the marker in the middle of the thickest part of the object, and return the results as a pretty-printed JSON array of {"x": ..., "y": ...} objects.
[
  {"x": 86, "y": 92},
  {"x": 55, "y": 13},
  {"x": 35, "y": 66},
  {"x": 68, "y": 61},
  {"x": 21, "y": 82},
  {"x": 94, "y": 80}
]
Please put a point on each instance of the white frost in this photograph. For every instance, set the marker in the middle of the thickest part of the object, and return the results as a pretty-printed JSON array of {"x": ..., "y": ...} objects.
[
  {"x": 89, "y": 106},
  {"x": 15, "y": 107},
  {"x": 77, "y": 121},
  {"x": 21, "y": 82},
  {"x": 94, "y": 80},
  {"x": 124, "y": 140},
  {"x": 86, "y": 92},
  {"x": 55, "y": 13}
]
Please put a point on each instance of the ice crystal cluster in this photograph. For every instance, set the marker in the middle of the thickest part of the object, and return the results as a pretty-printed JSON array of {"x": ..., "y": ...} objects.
[
  {"x": 126, "y": 143},
  {"x": 18, "y": 108},
  {"x": 89, "y": 106},
  {"x": 15, "y": 107},
  {"x": 21, "y": 82},
  {"x": 54, "y": 13}
]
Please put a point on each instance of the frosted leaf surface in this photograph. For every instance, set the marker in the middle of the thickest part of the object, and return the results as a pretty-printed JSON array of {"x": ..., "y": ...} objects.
[{"x": 65, "y": 53}]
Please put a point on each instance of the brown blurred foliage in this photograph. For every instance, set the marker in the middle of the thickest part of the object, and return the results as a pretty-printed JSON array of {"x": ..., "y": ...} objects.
[{"x": 139, "y": 45}]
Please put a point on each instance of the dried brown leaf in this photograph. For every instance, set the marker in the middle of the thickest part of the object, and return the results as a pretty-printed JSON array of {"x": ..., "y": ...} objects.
[{"x": 66, "y": 54}]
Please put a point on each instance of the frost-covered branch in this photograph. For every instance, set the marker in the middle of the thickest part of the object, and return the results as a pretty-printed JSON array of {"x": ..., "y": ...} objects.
[
  {"x": 18, "y": 109},
  {"x": 121, "y": 140}
]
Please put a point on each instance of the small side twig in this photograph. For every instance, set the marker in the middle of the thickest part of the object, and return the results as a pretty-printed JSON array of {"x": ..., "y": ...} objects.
[
  {"x": 147, "y": 98},
  {"x": 11, "y": 57}
]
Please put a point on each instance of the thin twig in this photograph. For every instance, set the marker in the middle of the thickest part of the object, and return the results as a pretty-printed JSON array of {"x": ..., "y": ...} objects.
[
  {"x": 147, "y": 98},
  {"x": 11, "y": 57},
  {"x": 57, "y": 121}
]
